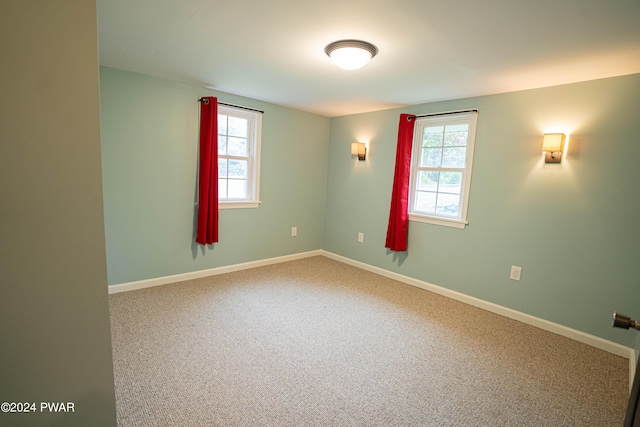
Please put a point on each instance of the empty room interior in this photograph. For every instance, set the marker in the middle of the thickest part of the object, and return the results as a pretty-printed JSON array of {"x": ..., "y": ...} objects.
[{"x": 207, "y": 220}]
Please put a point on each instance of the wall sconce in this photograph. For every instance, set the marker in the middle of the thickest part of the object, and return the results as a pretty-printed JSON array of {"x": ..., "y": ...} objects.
[
  {"x": 359, "y": 149},
  {"x": 553, "y": 145}
]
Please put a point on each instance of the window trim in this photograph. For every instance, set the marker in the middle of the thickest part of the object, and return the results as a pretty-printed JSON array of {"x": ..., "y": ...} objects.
[
  {"x": 254, "y": 139},
  {"x": 470, "y": 117},
  {"x": 232, "y": 204}
]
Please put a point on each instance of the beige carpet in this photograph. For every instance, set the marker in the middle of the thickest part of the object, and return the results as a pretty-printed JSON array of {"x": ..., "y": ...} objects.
[{"x": 316, "y": 342}]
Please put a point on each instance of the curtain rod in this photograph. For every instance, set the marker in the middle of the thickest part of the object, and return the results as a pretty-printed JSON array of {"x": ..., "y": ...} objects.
[
  {"x": 206, "y": 101},
  {"x": 442, "y": 114}
]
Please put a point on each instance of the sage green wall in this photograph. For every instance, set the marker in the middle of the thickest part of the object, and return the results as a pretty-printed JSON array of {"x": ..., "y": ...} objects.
[
  {"x": 149, "y": 150},
  {"x": 54, "y": 329},
  {"x": 572, "y": 226}
]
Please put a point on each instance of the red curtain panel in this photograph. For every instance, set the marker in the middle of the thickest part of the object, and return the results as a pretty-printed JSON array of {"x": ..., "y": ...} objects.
[
  {"x": 399, "y": 213},
  {"x": 208, "y": 173}
]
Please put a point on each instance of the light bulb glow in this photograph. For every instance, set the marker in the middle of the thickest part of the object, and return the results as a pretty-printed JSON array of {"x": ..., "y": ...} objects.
[{"x": 350, "y": 58}]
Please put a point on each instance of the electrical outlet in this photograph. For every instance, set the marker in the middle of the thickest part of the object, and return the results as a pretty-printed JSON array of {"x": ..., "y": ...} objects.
[
  {"x": 360, "y": 237},
  {"x": 516, "y": 273},
  {"x": 294, "y": 231}
]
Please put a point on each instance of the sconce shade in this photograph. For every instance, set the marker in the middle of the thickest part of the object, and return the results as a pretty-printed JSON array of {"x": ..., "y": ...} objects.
[
  {"x": 350, "y": 54},
  {"x": 359, "y": 149},
  {"x": 553, "y": 142},
  {"x": 553, "y": 145}
]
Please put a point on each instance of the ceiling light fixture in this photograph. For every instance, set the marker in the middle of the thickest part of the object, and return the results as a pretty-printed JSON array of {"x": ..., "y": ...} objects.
[{"x": 350, "y": 54}]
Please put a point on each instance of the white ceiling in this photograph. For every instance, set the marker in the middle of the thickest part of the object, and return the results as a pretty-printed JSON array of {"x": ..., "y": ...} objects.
[{"x": 429, "y": 50}]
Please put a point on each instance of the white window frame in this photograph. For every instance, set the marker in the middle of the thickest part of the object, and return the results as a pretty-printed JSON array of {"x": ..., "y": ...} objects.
[
  {"x": 254, "y": 136},
  {"x": 453, "y": 118}
]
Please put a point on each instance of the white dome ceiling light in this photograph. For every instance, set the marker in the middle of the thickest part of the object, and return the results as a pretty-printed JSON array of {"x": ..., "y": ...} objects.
[{"x": 350, "y": 54}]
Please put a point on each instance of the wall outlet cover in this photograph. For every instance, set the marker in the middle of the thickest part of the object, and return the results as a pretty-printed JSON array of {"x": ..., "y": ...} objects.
[{"x": 516, "y": 272}]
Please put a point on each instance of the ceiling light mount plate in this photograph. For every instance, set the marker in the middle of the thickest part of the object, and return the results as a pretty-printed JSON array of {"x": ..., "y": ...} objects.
[{"x": 358, "y": 44}]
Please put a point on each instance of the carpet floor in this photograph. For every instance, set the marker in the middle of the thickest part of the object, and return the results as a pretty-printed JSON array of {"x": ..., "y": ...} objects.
[{"x": 316, "y": 342}]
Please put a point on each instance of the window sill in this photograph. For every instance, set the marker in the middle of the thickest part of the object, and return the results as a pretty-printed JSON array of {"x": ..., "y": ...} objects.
[
  {"x": 238, "y": 205},
  {"x": 455, "y": 223}
]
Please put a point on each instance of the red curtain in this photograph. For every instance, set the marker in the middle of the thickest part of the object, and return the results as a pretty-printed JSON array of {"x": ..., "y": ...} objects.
[
  {"x": 399, "y": 214},
  {"x": 208, "y": 175}
]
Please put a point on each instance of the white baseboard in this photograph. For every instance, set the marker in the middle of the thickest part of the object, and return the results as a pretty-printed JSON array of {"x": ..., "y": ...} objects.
[
  {"x": 141, "y": 284},
  {"x": 592, "y": 340},
  {"x": 546, "y": 325}
]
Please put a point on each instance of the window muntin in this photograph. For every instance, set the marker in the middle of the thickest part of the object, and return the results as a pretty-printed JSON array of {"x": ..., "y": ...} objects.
[
  {"x": 238, "y": 157},
  {"x": 441, "y": 168}
]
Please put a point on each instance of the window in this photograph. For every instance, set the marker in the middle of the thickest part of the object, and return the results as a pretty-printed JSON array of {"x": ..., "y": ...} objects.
[
  {"x": 238, "y": 157},
  {"x": 441, "y": 168}
]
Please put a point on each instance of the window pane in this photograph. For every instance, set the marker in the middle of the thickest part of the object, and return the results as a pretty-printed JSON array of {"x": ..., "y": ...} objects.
[
  {"x": 222, "y": 188},
  {"x": 432, "y": 136},
  {"x": 441, "y": 168},
  {"x": 450, "y": 182},
  {"x": 425, "y": 202},
  {"x": 448, "y": 204},
  {"x": 222, "y": 168},
  {"x": 222, "y": 144},
  {"x": 237, "y": 189},
  {"x": 454, "y": 157},
  {"x": 222, "y": 124},
  {"x": 428, "y": 181},
  {"x": 238, "y": 143},
  {"x": 237, "y": 168},
  {"x": 237, "y": 147},
  {"x": 431, "y": 157},
  {"x": 456, "y": 135},
  {"x": 238, "y": 126}
]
